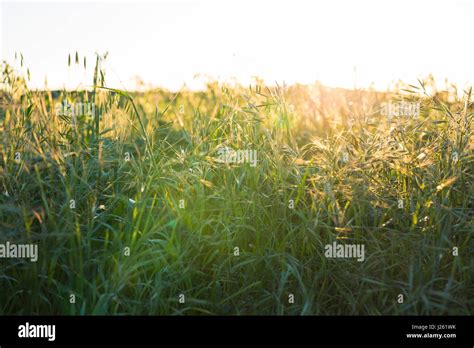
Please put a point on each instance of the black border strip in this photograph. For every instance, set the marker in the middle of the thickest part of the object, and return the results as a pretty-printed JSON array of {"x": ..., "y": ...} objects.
[{"x": 133, "y": 330}]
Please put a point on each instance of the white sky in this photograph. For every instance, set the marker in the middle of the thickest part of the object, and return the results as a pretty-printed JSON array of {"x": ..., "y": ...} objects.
[{"x": 167, "y": 43}]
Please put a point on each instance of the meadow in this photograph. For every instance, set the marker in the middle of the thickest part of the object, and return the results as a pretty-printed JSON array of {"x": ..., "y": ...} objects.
[{"x": 135, "y": 212}]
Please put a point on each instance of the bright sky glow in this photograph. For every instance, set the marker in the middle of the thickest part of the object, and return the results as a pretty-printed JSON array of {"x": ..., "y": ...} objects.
[{"x": 339, "y": 42}]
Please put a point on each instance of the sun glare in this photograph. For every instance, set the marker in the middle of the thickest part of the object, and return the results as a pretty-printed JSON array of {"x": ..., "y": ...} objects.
[{"x": 341, "y": 43}]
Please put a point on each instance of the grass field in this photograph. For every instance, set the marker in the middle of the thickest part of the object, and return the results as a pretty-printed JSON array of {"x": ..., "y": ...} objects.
[{"x": 134, "y": 212}]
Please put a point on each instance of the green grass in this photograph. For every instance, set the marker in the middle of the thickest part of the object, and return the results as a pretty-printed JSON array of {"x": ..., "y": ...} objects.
[{"x": 300, "y": 135}]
